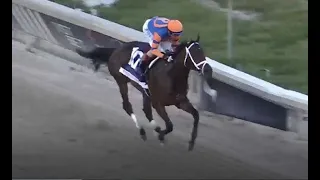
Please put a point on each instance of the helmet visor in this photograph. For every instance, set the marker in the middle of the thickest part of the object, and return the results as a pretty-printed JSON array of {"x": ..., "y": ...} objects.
[{"x": 175, "y": 33}]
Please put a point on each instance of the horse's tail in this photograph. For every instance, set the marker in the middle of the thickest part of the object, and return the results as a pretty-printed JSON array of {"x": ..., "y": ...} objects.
[{"x": 98, "y": 55}]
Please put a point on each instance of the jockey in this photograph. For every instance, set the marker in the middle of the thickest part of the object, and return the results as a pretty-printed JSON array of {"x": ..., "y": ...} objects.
[{"x": 163, "y": 35}]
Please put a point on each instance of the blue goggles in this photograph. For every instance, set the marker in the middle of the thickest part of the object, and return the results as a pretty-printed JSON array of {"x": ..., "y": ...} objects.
[{"x": 175, "y": 33}]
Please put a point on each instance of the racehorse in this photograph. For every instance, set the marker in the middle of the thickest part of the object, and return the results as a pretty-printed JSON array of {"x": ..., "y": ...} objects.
[{"x": 167, "y": 81}]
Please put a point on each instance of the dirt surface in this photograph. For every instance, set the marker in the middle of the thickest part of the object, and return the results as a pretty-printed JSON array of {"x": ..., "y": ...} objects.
[{"x": 67, "y": 122}]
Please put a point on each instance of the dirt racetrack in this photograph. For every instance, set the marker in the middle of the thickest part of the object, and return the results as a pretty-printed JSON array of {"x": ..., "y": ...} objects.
[{"x": 70, "y": 124}]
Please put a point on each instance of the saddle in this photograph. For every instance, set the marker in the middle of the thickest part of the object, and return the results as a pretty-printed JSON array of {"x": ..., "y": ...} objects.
[{"x": 133, "y": 70}]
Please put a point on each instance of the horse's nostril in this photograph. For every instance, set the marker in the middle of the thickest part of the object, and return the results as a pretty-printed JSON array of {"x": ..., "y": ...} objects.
[{"x": 207, "y": 71}]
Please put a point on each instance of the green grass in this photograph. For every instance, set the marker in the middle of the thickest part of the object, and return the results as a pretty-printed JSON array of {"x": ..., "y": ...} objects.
[{"x": 277, "y": 41}]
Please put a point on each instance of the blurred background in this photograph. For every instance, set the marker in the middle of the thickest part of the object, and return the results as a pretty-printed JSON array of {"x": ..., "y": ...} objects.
[{"x": 265, "y": 38}]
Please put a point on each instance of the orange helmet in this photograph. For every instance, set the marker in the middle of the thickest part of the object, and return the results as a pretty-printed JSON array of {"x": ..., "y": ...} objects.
[{"x": 175, "y": 26}]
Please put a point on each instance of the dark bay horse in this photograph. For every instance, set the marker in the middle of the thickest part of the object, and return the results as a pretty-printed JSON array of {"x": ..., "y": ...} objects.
[{"x": 167, "y": 82}]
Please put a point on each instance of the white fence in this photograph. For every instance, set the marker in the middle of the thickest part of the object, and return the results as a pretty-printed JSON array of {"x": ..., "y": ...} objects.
[{"x": 289, "y": 99}]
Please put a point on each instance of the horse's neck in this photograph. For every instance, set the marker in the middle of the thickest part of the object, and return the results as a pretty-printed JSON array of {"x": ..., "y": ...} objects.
[
  {"x": 179, "y": 66},
  {"x": 180, "y": 73}
]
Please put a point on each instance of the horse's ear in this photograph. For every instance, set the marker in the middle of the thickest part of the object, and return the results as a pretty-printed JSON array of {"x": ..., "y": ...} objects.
[{"x": 198, "y": 38}]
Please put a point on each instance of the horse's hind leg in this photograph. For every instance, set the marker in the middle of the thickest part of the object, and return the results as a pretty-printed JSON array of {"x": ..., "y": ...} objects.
[
  {"x": 188, "y": 107},
  {"x": 169, "y": 126},
  {"x": 123, "y": 86},
  {"x": 147, "y": 109}
]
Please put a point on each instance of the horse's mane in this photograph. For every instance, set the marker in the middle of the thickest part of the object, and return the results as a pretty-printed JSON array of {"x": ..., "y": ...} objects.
[{"x": 181, "y": 46}]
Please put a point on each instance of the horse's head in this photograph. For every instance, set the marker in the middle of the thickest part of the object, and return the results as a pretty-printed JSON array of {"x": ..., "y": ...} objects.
[{"x": 194, "y": 58}]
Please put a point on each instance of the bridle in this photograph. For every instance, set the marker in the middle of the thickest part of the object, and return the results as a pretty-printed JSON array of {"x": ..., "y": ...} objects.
[{"x": 196, "y": 65}]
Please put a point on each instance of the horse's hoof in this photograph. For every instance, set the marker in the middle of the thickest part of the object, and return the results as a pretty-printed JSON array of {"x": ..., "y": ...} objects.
[
  {"x": 157, "y": 129},
  {"x": 143, "y": 134},
  {"x": 144, "y": 138},
  {"x": 162, "y": 142},
  {"x": 191, "y": 146},
  {"x": 161, "y": 138}
]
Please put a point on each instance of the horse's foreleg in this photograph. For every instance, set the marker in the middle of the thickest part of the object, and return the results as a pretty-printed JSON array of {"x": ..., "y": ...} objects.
[
  {"x": 123, "y": 86},
  {"x": 169, "y": 126},
  {"x": 147, "y": 109},
  {"x": 188, "y": 107}
]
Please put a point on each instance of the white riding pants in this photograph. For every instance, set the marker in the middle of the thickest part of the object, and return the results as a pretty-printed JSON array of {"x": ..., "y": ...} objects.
[{"x": 163, "y": 46}]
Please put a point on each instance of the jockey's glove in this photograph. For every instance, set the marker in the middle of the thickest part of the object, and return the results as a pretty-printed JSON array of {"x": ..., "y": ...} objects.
[{"x": 165, "y": 56}]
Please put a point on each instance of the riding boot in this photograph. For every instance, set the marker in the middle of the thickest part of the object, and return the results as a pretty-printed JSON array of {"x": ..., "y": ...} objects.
[
  {"x": 144, "y": 62},
  {"x": 143, "y": 67}
]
